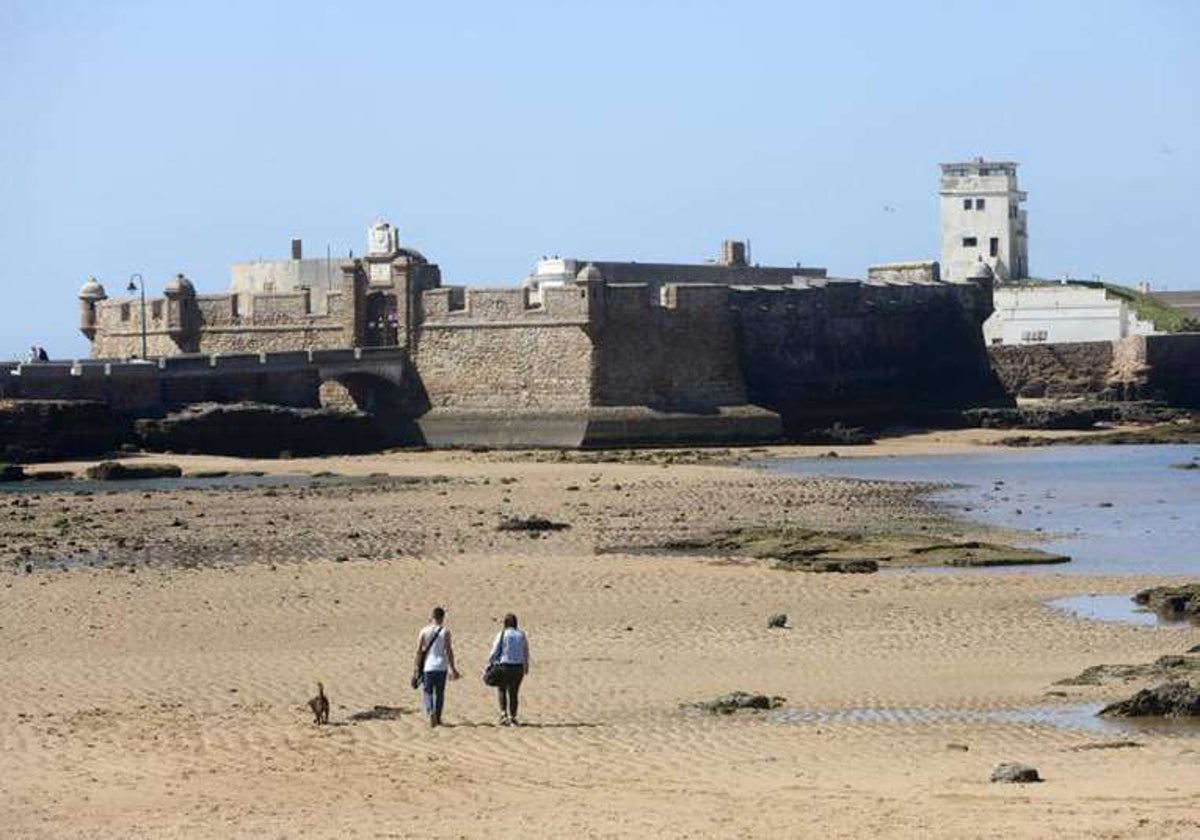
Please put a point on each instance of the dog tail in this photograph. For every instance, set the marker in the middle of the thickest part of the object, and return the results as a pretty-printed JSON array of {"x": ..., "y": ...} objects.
[{"x": 320, "y": 690}]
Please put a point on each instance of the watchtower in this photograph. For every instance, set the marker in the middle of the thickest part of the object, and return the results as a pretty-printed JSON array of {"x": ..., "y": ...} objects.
[{"x": 983, "y": 221}]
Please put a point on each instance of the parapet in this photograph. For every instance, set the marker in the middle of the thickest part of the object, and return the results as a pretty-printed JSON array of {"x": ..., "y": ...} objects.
[
  {"x": 459, "y": 306},
  {"x": 924, "y": 271}
]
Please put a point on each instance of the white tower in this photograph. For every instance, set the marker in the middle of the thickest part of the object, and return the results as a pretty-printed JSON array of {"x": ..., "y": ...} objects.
[{"x": 982, "y": 220}]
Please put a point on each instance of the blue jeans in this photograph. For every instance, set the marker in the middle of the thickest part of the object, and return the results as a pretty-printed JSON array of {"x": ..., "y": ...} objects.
[{"x": 433, "y": 689}]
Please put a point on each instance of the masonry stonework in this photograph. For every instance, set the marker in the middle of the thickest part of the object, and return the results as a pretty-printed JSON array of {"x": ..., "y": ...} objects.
[{"x": 599, "y": 351}]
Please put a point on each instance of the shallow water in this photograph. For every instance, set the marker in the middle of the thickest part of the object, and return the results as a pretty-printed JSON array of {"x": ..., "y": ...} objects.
[
  {"x": 1119, "y": 609},
  {"x": 1080, "y": 716},
  {"x": 1113, "y": 509}
]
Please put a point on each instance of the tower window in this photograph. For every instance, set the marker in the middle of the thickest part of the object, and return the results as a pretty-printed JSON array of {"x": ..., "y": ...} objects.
[
  {"x": 994, "y": 247},
  {"x": 979, "y": 204},
  {"x": 966, "y": 204},
  {"x": 970, "y": 242}
]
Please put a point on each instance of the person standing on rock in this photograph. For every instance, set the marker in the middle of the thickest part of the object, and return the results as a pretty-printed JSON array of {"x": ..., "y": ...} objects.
[
  {"x": 434, "y": 663},
  {"x": 510, "y": 653}
]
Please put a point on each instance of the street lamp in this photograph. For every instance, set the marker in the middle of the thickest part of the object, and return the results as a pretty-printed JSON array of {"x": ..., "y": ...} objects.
[{"x": 138, "y": 284}]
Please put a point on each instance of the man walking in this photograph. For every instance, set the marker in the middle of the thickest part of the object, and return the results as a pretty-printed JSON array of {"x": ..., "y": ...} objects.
[{"x": 434, "y": 662}]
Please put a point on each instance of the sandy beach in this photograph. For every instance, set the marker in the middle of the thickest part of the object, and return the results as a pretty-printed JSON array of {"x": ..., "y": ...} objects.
[{"x": 160, "y": 691}]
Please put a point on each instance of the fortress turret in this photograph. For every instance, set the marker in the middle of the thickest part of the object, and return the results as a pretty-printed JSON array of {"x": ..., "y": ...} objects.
[
  {"x": 89, "y": 295},
  {"x": 983, "y": 278},
  {"x": 181, "y": 304}
]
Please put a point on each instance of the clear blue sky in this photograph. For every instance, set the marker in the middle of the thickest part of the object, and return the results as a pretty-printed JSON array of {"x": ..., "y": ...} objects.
[{"x": 157, "y": 137}]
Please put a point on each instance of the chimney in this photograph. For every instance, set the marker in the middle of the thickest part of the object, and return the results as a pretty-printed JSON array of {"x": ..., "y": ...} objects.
[{"x": 297, "y": 249}]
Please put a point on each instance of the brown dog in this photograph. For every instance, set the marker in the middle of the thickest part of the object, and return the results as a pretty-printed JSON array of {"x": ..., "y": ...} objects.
[{"x": 320, "y": 706}]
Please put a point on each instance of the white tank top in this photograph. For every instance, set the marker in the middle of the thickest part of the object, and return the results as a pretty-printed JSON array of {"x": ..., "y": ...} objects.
[{"x": 435, "y": 659}]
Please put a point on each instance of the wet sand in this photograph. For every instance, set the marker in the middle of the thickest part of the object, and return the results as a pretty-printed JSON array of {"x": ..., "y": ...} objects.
[{"x": 160, "y": 693}]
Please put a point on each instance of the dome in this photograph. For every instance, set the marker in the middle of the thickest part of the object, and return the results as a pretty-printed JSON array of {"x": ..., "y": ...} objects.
[
  {"x": 180, "y": 285},
  {"x": 981, "y": 271},
  {"x": 589, "y": 274},
  {"x": 92, "y": 290}
]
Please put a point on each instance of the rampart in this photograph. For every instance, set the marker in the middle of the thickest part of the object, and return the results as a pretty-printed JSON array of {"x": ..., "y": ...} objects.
[
  {"x": 612, "y": 353},
  {"x": 138, "y": 388},
  {"x": 883, "y": 353},
  {"x": 227, "y": 323}
]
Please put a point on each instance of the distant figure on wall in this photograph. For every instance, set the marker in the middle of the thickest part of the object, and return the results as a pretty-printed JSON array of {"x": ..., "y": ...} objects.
[{"x": 38, "y": 354}]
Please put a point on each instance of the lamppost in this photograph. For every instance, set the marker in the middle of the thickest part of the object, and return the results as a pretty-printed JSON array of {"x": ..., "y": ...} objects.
[{"x": 139, "y": 286}]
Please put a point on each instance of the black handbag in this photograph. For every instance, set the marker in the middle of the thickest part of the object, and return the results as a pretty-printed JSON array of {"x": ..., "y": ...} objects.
[
  {"x": 491, "y": 673},
  {"x": 418, "y": 676}
]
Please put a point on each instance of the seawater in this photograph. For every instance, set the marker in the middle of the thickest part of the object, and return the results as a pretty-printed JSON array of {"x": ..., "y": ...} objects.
[{"x": 1112, "y": 509}]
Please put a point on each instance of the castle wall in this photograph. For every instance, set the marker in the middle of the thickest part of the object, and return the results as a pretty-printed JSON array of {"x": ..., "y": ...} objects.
[
  {"x": 495, "y": 350},
  {"x": 227, "y": 323},
  {"x": 672, "y": 347},
  {"x": 885, "y": 353}
]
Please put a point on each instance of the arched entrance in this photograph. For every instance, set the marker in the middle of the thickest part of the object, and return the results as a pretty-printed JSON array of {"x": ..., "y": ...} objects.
[{"x": 382, "y": 327}]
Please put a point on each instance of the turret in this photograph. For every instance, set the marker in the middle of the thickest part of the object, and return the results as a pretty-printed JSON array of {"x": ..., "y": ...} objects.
[
  {"x": 983, "y": 279},
  {"x": 89, "y": 295},
  {"x": 181, "y": 301}
]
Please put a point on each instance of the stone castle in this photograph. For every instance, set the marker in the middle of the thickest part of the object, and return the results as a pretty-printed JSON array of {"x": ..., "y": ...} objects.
[{"x": 592, "y": 351}]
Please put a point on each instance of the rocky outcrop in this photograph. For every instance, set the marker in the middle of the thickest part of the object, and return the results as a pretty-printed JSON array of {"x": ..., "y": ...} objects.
[
  {"x": 811, "y": 564},
  {"x": 1054, "y": 370},
  {"x": 1012, "y": 773},
  {"x": 737, "y": 701},
  {"x": 1165, "y": 667},
  {"x": 48, "y": 430},
  {"x": 1171, "y": 699},
  {"x": 530, "y": 523},
  {"x": 259, "y": 430},
  {"x": 805, "y": 550},
  {"x": 1173, "y": 602},
  {"x": 1042, "y": 417},
  {"x": 118, "y": 471}
]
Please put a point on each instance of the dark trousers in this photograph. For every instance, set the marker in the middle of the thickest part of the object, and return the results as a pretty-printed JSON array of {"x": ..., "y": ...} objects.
[
  {"x": 433, "y": 687},
  {"x": 509, "y": 687}
]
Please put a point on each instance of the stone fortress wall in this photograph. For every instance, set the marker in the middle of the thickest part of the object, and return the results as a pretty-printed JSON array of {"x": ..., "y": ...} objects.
[
  {"x": 588, "y": 351},
  {"x": 184, "y": 322}
]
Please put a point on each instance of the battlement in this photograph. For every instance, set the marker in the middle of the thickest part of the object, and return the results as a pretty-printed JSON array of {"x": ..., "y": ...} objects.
[{"x": 458, "y": 306}]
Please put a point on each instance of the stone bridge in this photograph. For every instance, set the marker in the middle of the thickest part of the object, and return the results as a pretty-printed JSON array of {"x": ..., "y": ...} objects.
[{"x": 372, "y": 378}]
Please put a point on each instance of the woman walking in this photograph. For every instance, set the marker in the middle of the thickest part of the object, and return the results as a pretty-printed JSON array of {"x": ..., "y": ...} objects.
[{"x": 510, "y": 653}]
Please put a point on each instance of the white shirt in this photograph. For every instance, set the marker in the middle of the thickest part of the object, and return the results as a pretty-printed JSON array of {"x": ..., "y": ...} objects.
[
  {"x": 510, "y": 647},
  {"x": 435, "y": 659}
]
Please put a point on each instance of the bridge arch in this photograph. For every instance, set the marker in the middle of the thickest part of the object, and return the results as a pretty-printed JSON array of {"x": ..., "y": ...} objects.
[{"x": 359, "y": 390}]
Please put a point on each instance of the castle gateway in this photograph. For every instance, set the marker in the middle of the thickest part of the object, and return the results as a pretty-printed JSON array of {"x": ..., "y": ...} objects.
[{"x": 590, "y": 352}]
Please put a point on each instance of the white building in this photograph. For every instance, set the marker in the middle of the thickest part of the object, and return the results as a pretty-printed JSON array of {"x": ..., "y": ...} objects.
[
  {"x": 266, "y": 277},
  {"x": 1059, "y": 313},
  {"x": 982, "y": 220}
]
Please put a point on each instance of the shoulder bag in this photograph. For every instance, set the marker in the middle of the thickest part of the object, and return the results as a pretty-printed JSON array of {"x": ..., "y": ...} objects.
[{"x": 419, "y": 674}]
